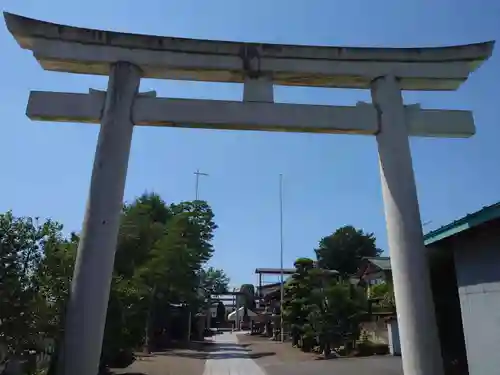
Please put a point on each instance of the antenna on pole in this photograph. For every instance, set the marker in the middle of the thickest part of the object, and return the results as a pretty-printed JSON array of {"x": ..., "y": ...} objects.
[{"x": 198, "y": 174}]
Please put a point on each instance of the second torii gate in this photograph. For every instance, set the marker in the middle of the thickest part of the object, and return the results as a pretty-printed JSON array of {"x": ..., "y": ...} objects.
[
  {"x": 233, "y": 296},
  {"x": 126, "y": 58}
]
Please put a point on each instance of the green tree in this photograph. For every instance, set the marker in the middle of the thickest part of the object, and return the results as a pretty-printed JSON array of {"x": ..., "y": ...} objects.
[
  {"x": 320, "y": 309},
  {"x": 213, "y": 280},
  {"x": 202, "y": 228},
  {"x": 383, "y": 293},
  {"x": 161, "y": 251},
  {"x": 298, "y": 303},
  {"x": 344, "y": 249},
  {"x": 336, "y": 315},
  {"x": 54, "y": 276},
  {"x": 142, "y": 225},
  {"x": 24, "y": 311},
  {"x": 126, "y": 316}
]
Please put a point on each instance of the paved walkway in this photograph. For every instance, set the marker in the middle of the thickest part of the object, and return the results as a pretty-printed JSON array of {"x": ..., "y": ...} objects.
[{"x": 230, "y": 358}]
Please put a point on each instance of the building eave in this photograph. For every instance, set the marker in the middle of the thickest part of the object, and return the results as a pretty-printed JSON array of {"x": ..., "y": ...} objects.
[{"x": 470, "y": 221}]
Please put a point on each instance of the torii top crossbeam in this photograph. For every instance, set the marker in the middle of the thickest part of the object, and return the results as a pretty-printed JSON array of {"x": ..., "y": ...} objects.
[
  {"x": 79, "y": 50},
  {"x": 228, "y": 293}
]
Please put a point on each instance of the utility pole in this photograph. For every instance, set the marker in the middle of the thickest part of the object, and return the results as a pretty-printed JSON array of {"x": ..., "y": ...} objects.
[
  {"x": 282, "y": 288},
  {"x": 198, "y": 174},
  {"x": 209, "y": 300}
]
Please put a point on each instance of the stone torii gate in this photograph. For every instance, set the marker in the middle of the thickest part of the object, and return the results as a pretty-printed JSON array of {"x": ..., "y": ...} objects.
[
  {"x": 126, "y": 58},
  {"x": 233, "y": 296}
]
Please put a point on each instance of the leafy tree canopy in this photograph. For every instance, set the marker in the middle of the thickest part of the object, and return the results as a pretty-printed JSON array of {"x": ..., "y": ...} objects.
[
  {"x": 318, "y": 306},
  {"x": 384, "y": 294},
  {"x": 161, "y": 252},
  {"x": 33, "y": 260},
  {"x": 213, "y": 280},
  {"x": 344, "y": 249}
]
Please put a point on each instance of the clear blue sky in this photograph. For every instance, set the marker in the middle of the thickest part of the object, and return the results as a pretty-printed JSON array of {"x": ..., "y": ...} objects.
[{"x": 329, "y": 180}]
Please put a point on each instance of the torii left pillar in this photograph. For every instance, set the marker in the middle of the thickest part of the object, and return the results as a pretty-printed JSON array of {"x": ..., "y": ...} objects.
[{"x": 86, "y": 312}]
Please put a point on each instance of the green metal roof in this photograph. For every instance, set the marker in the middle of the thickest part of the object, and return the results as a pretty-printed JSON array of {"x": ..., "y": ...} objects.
[
  {"x": 384, "y": 263},
  {"x": 475, "y": 219},
  {"x": 482, "y": 216}
]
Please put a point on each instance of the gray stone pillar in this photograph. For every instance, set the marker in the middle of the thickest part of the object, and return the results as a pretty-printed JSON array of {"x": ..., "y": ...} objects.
[
  {"x": 410, "y": 270},
  {"x": 209, "y": 312},
  {"x": 237, "y": 317},
  {"x": 86, "y": 313}
]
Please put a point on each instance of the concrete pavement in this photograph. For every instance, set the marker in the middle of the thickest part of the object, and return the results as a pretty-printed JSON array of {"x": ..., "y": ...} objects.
[{"x": 230, "y": 358}]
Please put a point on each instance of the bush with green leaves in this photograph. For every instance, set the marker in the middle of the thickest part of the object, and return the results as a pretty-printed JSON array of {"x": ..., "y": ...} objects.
[{"x": 383, "y": 293}]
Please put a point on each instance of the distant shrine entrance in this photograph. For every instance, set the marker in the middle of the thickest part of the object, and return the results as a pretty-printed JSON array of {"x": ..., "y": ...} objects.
[{"x": 126, "y": 58}]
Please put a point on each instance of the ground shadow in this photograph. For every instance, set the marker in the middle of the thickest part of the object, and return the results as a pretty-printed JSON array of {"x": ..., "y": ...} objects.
[
  {"x": 206, "y": 355},
  {"x": 261, "y": 355},
  {"x": 211, "y": 345},
  {"x": 193, "y": 345},
  {"x": 228, "y": 349}
]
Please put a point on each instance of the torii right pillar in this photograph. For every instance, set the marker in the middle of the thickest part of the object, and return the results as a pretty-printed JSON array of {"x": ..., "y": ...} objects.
[{"x": 418, "y": 332}]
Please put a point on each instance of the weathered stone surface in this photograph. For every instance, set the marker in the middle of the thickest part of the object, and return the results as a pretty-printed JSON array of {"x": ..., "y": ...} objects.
[{"x": 78, "y": 50}]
